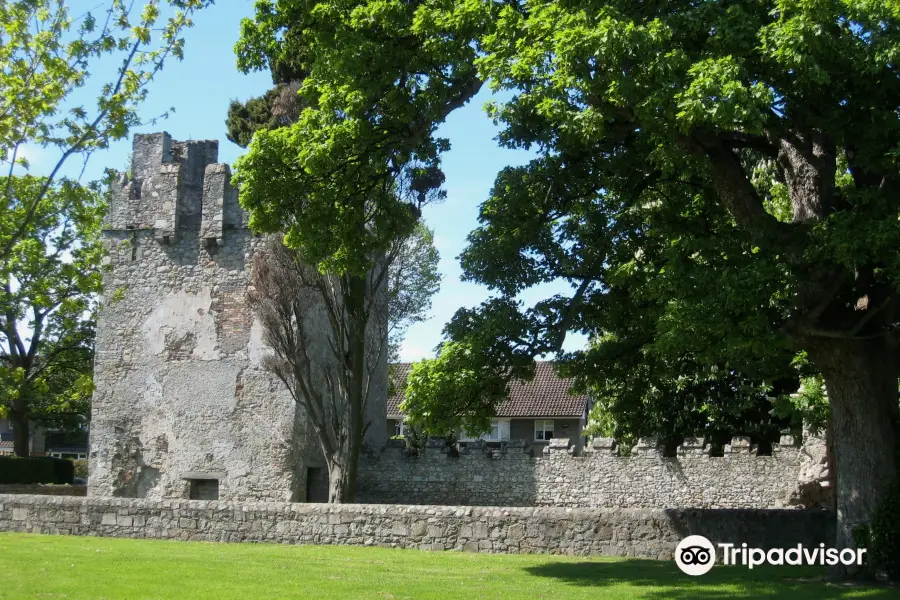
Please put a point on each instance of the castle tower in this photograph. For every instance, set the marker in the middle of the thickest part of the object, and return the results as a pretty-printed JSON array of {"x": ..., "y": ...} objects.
[{"x": 182, "y": 407}]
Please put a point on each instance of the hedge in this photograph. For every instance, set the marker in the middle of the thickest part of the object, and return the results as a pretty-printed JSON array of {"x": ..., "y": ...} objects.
[
  {"x": 36, "y": 470},
  {"x": 81, "y": 468}
]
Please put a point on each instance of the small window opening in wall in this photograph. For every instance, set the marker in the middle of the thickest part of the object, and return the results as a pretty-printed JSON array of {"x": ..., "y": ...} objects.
[{"x": 204, "y": 489}]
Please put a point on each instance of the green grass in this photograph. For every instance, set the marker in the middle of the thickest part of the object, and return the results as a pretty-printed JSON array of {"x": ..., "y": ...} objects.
[{"x": 37, "y": 566}]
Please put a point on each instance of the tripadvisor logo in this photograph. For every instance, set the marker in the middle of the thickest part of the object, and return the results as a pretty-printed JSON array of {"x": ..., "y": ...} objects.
[{"x": 696, "y": 555}]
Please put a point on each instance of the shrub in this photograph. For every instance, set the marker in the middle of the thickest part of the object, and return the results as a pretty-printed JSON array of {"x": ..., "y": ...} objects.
[
  {"x": 884, "y": 535},
  {"x": 415, "y": 440},
  {"x": 36, "y": 470},
  {"x": 81, "y": 468}
]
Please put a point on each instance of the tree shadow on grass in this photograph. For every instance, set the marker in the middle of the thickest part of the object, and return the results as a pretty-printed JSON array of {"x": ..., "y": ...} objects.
[{"x": 662, "y": 580}]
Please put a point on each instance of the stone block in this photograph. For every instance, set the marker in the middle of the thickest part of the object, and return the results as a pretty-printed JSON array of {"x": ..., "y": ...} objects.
[
  {"x": 124, "y": 521},
  {"x": 558, "y": 444},
  {"x": 603, "y": 443},
  {"x": 739, "y": 445},
  {"x": 516, "y": 531},
  {"x": 646, "y": 446}
]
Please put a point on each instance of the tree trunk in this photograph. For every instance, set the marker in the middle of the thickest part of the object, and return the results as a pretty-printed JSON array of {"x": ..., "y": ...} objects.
[
  {"x": 861, "y": 378},
  {"x": 21, "y": 434},
  {"x": 337, "y": 484},
  {"x": 342, "y": 478},
  {"x": 832, "y": 466},
  {"x": 342, "y": 471}
]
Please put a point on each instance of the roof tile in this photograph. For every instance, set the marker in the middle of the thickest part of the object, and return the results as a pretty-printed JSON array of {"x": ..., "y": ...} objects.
[{"x": 547, "y": 395}]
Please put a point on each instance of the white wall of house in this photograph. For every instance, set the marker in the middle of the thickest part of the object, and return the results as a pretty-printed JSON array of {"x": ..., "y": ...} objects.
[{"x": 536, "y": 430}]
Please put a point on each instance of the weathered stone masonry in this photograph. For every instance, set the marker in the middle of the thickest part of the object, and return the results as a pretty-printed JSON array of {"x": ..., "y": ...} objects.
[
  {"x": 488, "y": 476},
  {"x": 649, "y": 533},
  {"x": 180, "y": 397}
]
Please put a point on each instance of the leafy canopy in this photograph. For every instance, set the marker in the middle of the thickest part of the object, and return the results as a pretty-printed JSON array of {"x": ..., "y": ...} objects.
[
  {"x": 714, "y": 180},
  {"x": 47, "y": 55},
  {"x": 47, "y": 304},
  {"x": 350, "y": 175},
  {"x": 455, "y": 391}
]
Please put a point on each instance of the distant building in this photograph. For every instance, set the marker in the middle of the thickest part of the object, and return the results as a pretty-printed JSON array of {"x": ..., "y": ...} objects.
[
  {"x": 47, "y": 442},
  {"x": 535, "y": 411}
]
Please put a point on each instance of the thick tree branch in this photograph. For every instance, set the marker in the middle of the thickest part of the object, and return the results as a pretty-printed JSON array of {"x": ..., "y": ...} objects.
[{"x": 735, "y": 190}]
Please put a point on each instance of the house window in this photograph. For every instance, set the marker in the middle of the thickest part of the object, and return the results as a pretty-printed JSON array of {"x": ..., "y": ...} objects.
[
  {"x": 70, "y": 455},
  {"x": 399, "y": 429},
  {"x": 543, "y": 430},
  {"x": 499, "y": 431}
]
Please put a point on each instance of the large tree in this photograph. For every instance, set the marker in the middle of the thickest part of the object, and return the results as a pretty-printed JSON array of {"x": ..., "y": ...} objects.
[
  {"x": 373, "y": 271},
  {"x": 328, "y": 339},
  {"x": 316, "y": 331},
  {"x": 352, "y": 226},
  {"x": 733, "y": 162},
  {"x": 46, "y": 307},
  {"x": 774, "y": 122}
]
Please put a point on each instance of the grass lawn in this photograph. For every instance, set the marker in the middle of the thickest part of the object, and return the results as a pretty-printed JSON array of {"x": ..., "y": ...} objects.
[{"x": 75, "y": 568}]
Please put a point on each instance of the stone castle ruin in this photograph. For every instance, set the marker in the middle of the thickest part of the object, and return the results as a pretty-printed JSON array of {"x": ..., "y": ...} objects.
[{"x": 183, "y": 409}]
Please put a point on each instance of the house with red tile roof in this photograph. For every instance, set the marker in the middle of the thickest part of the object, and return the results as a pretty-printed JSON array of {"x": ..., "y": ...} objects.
[{"x": 536, "y": 411}]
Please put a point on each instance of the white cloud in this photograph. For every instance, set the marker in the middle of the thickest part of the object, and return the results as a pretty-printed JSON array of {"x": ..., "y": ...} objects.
[
  {"x": 411, "y": 352},
  {"x": 30, "y": 153},
  {"x": 440, "y": 242}
]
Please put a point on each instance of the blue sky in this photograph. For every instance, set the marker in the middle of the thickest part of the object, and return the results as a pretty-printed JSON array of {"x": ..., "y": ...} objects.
[{"x": 200, "y": 89}]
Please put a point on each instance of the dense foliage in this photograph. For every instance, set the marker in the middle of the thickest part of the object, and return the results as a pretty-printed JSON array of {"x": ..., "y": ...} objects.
[
  {"x": 716, "y": 180},
  {"x": 46, "y": 306},
  {"x": 457, "y": 390},
  {"x": 352, "y": 217}
]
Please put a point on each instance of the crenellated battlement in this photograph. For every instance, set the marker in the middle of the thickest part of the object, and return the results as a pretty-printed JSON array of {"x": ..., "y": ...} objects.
[
  {"x": 522, "y": 473},
  {"x": 645, "y": 448},
  {"x": 690, "y": 447},
  {"x": 175, "y": 186}
]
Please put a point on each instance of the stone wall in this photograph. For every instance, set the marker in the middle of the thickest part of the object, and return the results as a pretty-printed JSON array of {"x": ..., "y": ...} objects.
[
  {"x": 180, "y": 393},
  {"x": 490, "y": 476},
  {"x": 650, "y": 533}
]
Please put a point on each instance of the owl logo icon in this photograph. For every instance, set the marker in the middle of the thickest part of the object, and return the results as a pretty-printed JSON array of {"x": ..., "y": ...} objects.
[{"x": 695, "y": 555}]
